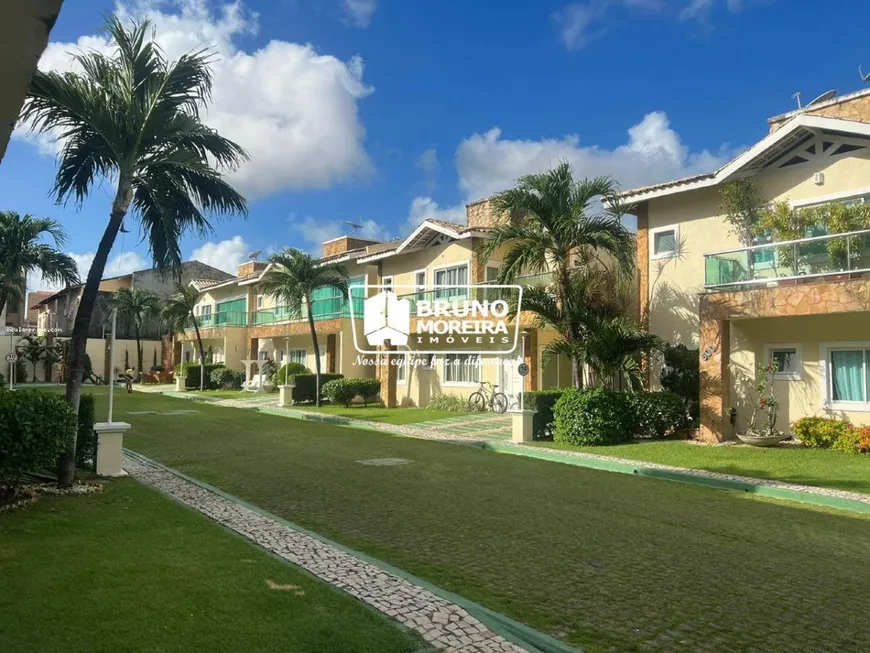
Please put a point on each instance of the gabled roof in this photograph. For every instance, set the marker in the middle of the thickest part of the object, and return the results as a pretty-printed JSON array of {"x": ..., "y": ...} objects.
[{"x": 771, "y": 148}]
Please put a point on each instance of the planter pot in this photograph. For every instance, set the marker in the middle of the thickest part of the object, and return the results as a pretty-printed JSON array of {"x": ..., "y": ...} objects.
[{"x": 761, "y": 440}]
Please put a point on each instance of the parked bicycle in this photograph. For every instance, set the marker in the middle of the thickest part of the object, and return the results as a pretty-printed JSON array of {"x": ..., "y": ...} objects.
[{"x": 488, "y": 397}]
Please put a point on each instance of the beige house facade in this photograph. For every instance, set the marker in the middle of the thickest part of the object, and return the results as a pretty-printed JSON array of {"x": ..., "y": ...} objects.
[
  {"x": 237, "y": 322},
  {"x": 792, "y": 302}
]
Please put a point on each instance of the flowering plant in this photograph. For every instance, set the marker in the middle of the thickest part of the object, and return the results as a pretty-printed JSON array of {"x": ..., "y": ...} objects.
[{"x": 766, "y": 407}]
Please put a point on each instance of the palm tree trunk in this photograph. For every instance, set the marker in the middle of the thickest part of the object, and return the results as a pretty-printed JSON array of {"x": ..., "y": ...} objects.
[
  {"x": 201, "y": 355},
  {"x": 316, "y": 355},
  {"x": 66, "y": 465},
  {"x": 138, "y": 351},
  {"x": 3, "y": 298}
]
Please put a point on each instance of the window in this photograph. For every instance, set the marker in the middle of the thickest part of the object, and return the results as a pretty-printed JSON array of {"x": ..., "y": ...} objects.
[
  {"x": 787, "y": 358},
  {"x": 420, "y": 284},
  {"x": 664, "y": 242},
  {"x": 849, "y": 375},
  {"x": 299, "y": 356},
  {"x": 281, "y": 356},
  {"x": 491, "y": 274},
  {"x": 259, "y": 302},
  {"x": 446, "y": 278},
  {"x": 387, "y": 283},
  {"x": 264, "y": 355},
  {"x": 402, "y": 369},
  {"x": 461, "y": 368}
]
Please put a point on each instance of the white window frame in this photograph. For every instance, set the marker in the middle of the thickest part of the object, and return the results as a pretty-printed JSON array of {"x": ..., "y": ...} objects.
[
  {"x": 826, "y": 386},
  {"x": 457, "y": 264},
  {"x": 387, "y": 282},
  {"x": 459, "y": 384},
  {"x": 296, "y": 351},
  {"x": 652, "y": 241},
  {"x": 797, "y": 375},
  {"x": 402, "y": 369},
  {"x": 495, "y": 265},
  {"x": 420, "y": 289},
  {"x": 844, "y": 196},
  {"x": 259, "y": 302}
]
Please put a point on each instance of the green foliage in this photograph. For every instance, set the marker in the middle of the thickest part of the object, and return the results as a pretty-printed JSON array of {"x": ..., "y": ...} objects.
[
  {"x": 287, "y": 370},
  {"x": 158, "y": 368},
  {"x": 681, "y": 374},
  {"x": 658, "y": 414},
  {"x": 341, "y": 391},
  {"x": 34, "y": 427},
  {"x": 593, "y": 417},
  {"x": 820, "y": 432},
  {"x": 448, "y": 402},
  {"x": 191, "y": 371},
  {"x": 742, "y": 205},
  {"x": 20, "y": 371},
  {"x": 86, "y": 437},
  {"x": 224, "y": 378},
  {"x": 855, "y": 440},
  {"x": 367, "y": 388},
  {"x": 542, "y": 401},
  {"x": 305, "y": 385}
]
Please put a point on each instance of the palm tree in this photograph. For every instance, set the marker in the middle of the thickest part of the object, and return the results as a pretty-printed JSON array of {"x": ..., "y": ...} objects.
[
  {"x": 178, "y": 314},
  {"x": 23, "y": 253},
  {"x": 558, "y": 227},
  {"x": 292, "y": 278},
  {"x": 137, "y": 305},
  {"x": 133, "y": 117},
  {"x": 613, "y": 348}
]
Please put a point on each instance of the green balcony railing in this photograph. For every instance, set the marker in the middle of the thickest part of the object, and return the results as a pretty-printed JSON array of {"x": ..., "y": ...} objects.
[
  {"x": 222, "y": 318},
  {"x": 321, "y": 309},
  {"x": 818, "y": 256}
]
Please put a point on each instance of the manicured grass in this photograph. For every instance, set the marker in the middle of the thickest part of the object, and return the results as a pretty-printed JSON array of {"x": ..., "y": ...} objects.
[
  {"x": 818, "y": 467},
  {"x": 377, "y": 413},
  {"x": 606, "y": 561},
  {"x": 232, "y": 394},
  {"x": 131, "y": 570}
]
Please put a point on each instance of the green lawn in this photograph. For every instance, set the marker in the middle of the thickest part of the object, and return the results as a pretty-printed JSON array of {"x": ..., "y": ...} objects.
[
  {"x": 376, "y": 413},
  {"x": 819, "y": 467},
  {"x": 601, "y": 560},
  {"x": 232, "y": 394},
  {"x": 131, "y": 570}
]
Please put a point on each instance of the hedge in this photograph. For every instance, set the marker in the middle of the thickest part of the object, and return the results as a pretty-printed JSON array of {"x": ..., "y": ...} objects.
[
  {"x": 224, "y": 378},
  {"x": 594, "y": 417},
  {"x": 287, "y": 370},
  {"x": 34, "y": 427},
  {"x": 86, "y": 437},
  {"x": 305, "y": 385},
  {"x": 658, "y": 414},
  {"x": 542, "y": 401},
  {"x": 191, "y": 371},
  {"x": 340, "y": 391}
]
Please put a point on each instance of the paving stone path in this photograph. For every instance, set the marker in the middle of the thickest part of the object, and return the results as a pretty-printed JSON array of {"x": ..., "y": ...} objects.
[{"x": 445, "y": 625}]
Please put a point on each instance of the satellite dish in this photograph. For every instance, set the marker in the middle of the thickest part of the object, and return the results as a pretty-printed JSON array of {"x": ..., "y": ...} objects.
[
  {"x": 354, "y": 227},
  {"x": 864, "y": 77},
  {"x": 824, "y": 97},
  {"x": 253, "y": 255}
]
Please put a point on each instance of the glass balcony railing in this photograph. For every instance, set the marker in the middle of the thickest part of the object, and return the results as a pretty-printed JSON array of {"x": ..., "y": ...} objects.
[
  {"x": 221, "y": 318},
  {"x": 321, "y": 309},
  {"x": 818, "y": 256}
]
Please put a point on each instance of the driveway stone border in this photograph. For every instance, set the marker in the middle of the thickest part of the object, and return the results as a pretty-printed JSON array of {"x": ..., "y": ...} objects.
[{"x": 444, "y": 624}]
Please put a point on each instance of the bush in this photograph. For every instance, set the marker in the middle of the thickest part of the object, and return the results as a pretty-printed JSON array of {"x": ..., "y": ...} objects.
[
  {"x": 340, "y": 391},
  {"x": 86, "y": 437},
  {"x": 158, "y": 368},
  {"x": 451, "y": 403},
  {"x": 658, "y": 414},
  {"x": 820, "y": 432},
  {"x": 224, "y": 378},
  {"x": 191, "y": 372},
  {"x": 20, "y": 371},
  {"x": 855, "y": 440},
  {"x": 291, "y": 369},
  {"x": 542, "y": 401},
  {"x": 594, "y": 417},
  {"x": 305, "y": 384},
  {"x": 34, "y": 426},
  {"x": 681, "y": 375},
  {"x": 367, "y": 388}
]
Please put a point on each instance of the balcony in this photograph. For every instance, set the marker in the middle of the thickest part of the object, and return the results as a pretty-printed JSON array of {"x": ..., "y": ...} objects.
[
  {"x": 222, "y": 319},
  {"x": 321, "y": 309},
  {"x": 793, "y": 261}
]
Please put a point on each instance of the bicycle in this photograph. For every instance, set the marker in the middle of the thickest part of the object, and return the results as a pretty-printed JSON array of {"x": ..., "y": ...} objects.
[{"x": 488, "y": 397}]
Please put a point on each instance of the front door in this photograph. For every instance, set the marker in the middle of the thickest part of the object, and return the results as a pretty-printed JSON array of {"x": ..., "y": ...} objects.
[{"x": 510, "y": 381}]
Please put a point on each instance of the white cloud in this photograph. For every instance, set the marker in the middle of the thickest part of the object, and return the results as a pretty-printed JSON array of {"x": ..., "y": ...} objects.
[
  {"x": 423, "y": 208},
  {"x": 581, "y": 22},
  {"x": 697, "y": 10},
  {"x": 314, "y": 232},
  {"x": 120, "y": 264},
  {"x": 428, "y": 161},
  {"x": 225, "y": 255},
  {"x": 359, "y": 12},
  {"x": 294, "y": 110}
]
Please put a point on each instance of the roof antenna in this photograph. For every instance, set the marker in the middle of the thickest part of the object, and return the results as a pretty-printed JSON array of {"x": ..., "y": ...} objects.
[
  {"x": 354, "y": 227},
  {"x": 797, "y": 96},
  {"x": 864, "y": 77}
]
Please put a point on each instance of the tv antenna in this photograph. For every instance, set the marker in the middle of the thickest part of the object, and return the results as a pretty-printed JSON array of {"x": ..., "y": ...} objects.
[
  {"x": 864, "y": 77},
  {"x": 255, "y": 254},
  {"x": 797, "y": 96},
  {"x": 824, "y": 97},
  {"x": 354, "y": 227}
]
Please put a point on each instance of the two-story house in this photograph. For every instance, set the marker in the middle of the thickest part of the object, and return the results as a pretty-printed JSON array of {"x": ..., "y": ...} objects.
[
  {"x": 802, "y": 303},
  {"x": 238, "y": 322}
]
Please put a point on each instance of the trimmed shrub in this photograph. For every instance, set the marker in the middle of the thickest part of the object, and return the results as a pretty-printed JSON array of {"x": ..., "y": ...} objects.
[
  {"x": 291, "y": 369},
  {"x": 340, "y": 391},
  {"x": 224, "y": 378},
  {"x": 820, "y": 432},
  {"x": 367, "y": 388},
  {"x": 855, "y": 440},
  {"x": 658, "y": 414},
  {"x": 681, "y": 375},
  {"x": 305, "y": 385},
  {"x": 594, "y": 417},
  {"x": 191, "y": 372},
  {"x": 542, "y": 401},
  {"x": 34, "y": 427},
  {"x": 451, "y": 403},
  {"x": 86, "y": 437}
]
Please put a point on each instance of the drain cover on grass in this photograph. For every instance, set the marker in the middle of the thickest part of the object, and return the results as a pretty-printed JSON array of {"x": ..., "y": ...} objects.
[{"x": 384, "y": 462}]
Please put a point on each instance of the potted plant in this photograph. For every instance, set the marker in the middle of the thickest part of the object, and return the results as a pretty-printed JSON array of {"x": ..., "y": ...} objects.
[{"x": 762, "y": 427}]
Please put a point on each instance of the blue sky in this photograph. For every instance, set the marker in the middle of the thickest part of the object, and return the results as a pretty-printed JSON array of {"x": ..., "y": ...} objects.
[{"x": 391, "y": 111}]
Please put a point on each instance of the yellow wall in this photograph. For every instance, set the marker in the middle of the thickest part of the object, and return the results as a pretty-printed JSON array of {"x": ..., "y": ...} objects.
[{"x": 403, "y": 266}]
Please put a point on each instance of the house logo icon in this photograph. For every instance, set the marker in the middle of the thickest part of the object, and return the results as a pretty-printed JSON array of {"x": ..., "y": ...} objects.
[{"x": 386, "y": 317}]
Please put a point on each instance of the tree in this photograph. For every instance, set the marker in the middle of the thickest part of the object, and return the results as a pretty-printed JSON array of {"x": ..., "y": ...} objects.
[
  {"x": 558, "y": 227},
  {"x": 292, "y": 278},
  {"x": 613, "y": 349},
  {"x": 178, "y": 313},
  {"x": 23, "y": 253},
  {"x": 133, "y": 117},
  {"x": 137, "y": 305},
  {"x": 742, "y": 205}
]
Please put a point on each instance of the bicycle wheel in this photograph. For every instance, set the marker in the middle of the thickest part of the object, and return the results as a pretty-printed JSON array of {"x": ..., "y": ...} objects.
[
  {"x": 476, "y": 402},
  {"x": 499, "y": 403}
]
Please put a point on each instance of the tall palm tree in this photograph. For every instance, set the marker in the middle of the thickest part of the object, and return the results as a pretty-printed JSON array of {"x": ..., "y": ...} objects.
[
  {"x": 137, "y": 305},
  {"x": 23, "y": 253},
  {"x": 613, "y": 348},
  {"x": 133, "y": 118},
  {"x": 559, "y": 225},
  {"x": 178, "y": 312},
  {"x": 292, "y": 278}
]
